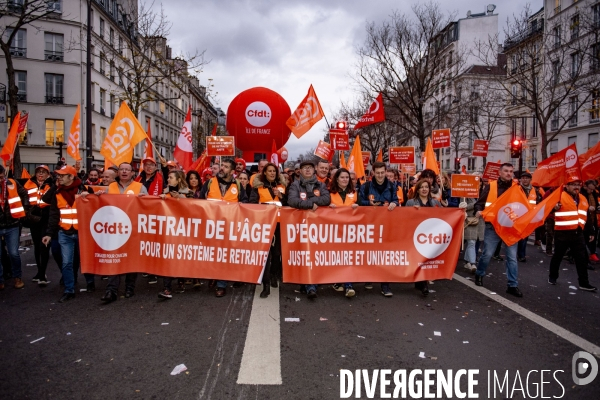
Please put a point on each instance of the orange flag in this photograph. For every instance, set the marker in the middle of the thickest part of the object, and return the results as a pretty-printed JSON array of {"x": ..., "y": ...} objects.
[
  {"x": 537, "y": 215},
  {"x": 75, "y": 135},
  {"x": 11, "y": 140},
  {"x": 557, "y": 169},
  {"x": 355, "y": 161},
  {"x": 380, "y": 155},
  {"x": 201, "y": 163},
  {"x": 308, "y": 113},
  {"x": 123, "y": 134},
  {"x": 590, "y": 163},
  {"x": 429, "y": 160},
  {"x": 504, "y": 212},
  {"x": 25, "y": 174},
  {"x": 343, "y": 160}
]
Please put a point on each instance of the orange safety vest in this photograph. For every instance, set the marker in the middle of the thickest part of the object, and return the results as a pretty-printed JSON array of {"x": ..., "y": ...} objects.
[
  {"x": 134, "y": 187},
  {"x": 532, "y": 198},
  {"x": 14, "y": 200},
  {"x": 337, "y": 199},
  {"x": 570, "y": 216},
  {"x": 214, "y": 192},
  {"x": 265, "y": 196},
  {"x": 68, "y": 214},
  {"x": 36, "y": 194},
  {"x": 493, "y": 193},
  {"x": 400, "y": 194}
]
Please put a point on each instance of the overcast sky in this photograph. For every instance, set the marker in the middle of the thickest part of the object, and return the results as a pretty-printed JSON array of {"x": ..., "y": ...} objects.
[{"x": 288, "y": 45}]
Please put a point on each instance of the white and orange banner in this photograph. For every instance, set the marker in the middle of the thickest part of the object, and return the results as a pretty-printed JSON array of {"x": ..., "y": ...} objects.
[
  {"x": 308, "y": 113},
  {"x": 480, "y": 148},
  {"x": 123, "y": 134},
  {"x": 402, "y": 155},
  {"x": 75, "y": 135},
  {"x": 220, "y": 146},
  {"x": 559, "y": 168},
  {"x": 184, "y": 152},
  {"x": 174, "y": 237},
  {"x": 465, "y": 185},
  {"x": 323, "y": 150},
  {"x": 440, "y": 138},
  {"x": 374, "y": 114},
  {"x": 365, "y": 245}
]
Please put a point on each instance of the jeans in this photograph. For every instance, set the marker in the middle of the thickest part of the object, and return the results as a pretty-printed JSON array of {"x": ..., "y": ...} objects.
[
  {"x": 470, "y": 255},
  {"x": 221, "y": 284},
  {"x": 11, "y": 237},
  {"x": 311, "y": 287},
  {"x": 490, "y": 241},
  {"x": 521, "y": 248},
  {"x": 69, "y": 247}
]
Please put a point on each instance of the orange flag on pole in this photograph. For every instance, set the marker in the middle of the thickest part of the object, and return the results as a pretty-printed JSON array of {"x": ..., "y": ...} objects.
[
  {"x": 505, "y": 211},
  {"x": 11, "y": 140},
  {"x": 557, "y": 169},
  {"x": 343, "y": 160},
  {"x": 75, "y": 135},
  {"x": 590, "y": 163},
  {"x": 25, "y": 174},
  {"x": 429, "y": 160},
  {"x": 274, "y": 155},
  {"x": 308, "y": 113},
  {"x": 123, "y": 134},
  {"x": 355, "y": 161},
  {"x": 380, "y": 155},
  {"x": 537, "y": 215}
]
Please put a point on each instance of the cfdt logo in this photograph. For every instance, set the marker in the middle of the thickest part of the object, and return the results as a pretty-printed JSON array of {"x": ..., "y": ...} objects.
[
  {"x": 258, "y": 114},
  {"x": 510, "y": 212},
  {"x": 432, "y": 237},
  {"x": 110, "y": 227},
  {"x": 570, "y": 158}
]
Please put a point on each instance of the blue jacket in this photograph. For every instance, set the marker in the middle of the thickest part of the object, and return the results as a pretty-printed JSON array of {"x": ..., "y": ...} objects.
[{"x": 388, "y": 195}]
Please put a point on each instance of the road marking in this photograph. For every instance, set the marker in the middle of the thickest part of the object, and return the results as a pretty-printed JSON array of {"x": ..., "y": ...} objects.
[
  {"x": 552, "y": 327},
  {"x": 261, "y": 361}
]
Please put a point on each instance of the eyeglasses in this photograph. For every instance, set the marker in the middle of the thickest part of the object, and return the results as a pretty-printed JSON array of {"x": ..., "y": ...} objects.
[{"x": 125, "y": 169}]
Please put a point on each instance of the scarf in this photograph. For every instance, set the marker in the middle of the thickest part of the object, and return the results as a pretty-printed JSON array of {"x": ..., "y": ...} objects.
[
  {"x": 309, "y": 183},
  {"x": 154, "y": 184},
  {"x": 3, "y": 194},
  {"x": 69, "y": 192}
]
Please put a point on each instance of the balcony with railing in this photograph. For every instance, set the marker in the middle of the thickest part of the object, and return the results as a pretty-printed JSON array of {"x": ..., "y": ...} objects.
[
  {"x": 54, "y": 99},
  {"x": 50, "y": 55},
  {"x": 530, "y": 32},
  {"x": 18, "y": 51},
  {"x": 22, "y": 97}
]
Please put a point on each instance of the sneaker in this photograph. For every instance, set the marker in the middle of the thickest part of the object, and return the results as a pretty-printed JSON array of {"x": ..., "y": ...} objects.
[
  {"x": 220, "y": 292},
  {"x": 197, "y": 284},
  {"x": 152, "y": 280},
  {"x": 514, "y": 291},
  {"x": 350, "y": 292},
  {"x": 144, "y": 275},
  {"x": 468, "y": 266},
  {"x": 473, "y": 268},
  {"x": 165, "y": 294},
  {"x": 337, "y": 287},
  {"x": 104, "y": 277},
  {"x": 543, "y": 247},
  {"x": 588, "y": 288},
  {"x": 498, "y": 258},
  {"x": 312, "y": 294},
  {"x": 368, "y": 286},
  {"x": 537, "y": 243},
  {"x": 35, "y": 279},
  {"x": 522, "y": 259},
  {"x": 180, "y": 288},
  {"x": 188, "y": 282},
  {"x": 19, "y": 283},
  {"x": 91, "y": 288},
  {"x": 552, "y": 281},
  {"x": 43, "y": 282},
  {"x": 385, "y": 290}
]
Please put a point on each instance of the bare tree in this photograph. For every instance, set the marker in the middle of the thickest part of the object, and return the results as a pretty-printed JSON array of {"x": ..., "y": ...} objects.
[
  {"x": 407, "y": 59},
  {"x": 553, "y": 64},
  {"x": 14, "y": 15}
]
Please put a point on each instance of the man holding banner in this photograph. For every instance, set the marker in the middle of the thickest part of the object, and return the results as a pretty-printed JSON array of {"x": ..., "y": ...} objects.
[{"x": 489, "y": 195}]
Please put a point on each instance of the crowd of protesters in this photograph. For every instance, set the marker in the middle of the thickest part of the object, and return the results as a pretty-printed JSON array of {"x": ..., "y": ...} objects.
[{"x": 45, "y": 204}]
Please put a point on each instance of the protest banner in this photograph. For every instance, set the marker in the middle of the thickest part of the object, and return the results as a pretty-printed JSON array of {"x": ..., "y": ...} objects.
[
  {"x": 440, "y": 138},
  {"x": 410, "y": 169},
  {"x": 366, "y": 244},
  {"x": 402, "y": 155},
  {"x": 492, "y": 171},
  {"x": 464, "y": 186},
  {"x": 174, "y": 237},
  {"x": 480, "y": 148},
  {"x": 220, "y": 146},
  {"x": 366, "y": 157},
  {"x": 339, "y": 141},
  {"x": 323, "y": 150}
]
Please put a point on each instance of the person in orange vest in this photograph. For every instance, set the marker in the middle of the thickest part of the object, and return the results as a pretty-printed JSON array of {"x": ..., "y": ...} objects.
[
  {"x": 109, "y": 176},
  {"x": 343, "y": 194},
  {"x": 14, "y": 201},
  {"x": 490, "y": 194},
  {"x": 63, "y": 219},
  {"x": 124, "y": 185},
  {"x": 150, "y": 177},
  {"x": 394, "y": 176},
  {"x": 37, "y": 219},
  {"x": 323, "y": 172},
  {"x": 571, "y": 229},
  {"x": 269, "y": 188},
  {"x": 224, "y": 187},
  {"x": 261, "y": 166},
  {"x": 533, "y": 197}
]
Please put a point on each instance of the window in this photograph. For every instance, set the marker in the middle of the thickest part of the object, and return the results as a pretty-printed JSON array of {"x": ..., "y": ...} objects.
[
  {"x": 54, "y": 47},
  {"x": 18, "y": 47},
  {"x": 556, "y": 33},
  {"x": 592, "y": 140},
  {"x": 571, "y": 140},
  {"x": 574, "y": 27},
  {"x": 573, "y": 108},
  {"x": 556, "y": 72},
  {"x": 513, "y": 130},
  {"x": 92, "y": 55},
  {"x": 101, "y": 28},
  {"x": 533, "y": 156},
  {"x": 471, "y": 163},
  {"x": 55, "y": 131},
  {"x": 595, "y": 57},
  {"x": 111, "y": 37},
  {"x": 92, "y": 19},
  {"x": 120, "y": 45},
  {"x": 553, "y": 145},
  {"x": 474, "y": 114},
  {"x": 471, "y": 139},
  {"x": 54, "y": 6},
  {"x": 524, "y": 128},
  {"x": 554, "y": 120},
  {"x": 21, "y": 81},
  {"x": 534, "y": 126},
  {"x": 574, "y": 65},
  {"x": 595, "y": 110},
  {"x": 102, "y": 135},
  {"x": 102, "y": 66},
  {"x": 54, "y": 88},
  {"x": 596, "y": 15},
  {"x": 514, "y": 95},
  {"x": 112, "y": 70},
  {"x": 112, "y": 106},
  {"x": 102, "y": 101}
]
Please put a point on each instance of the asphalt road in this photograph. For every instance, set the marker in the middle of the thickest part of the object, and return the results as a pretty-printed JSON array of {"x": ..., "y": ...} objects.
[{"x": 128, "y": 349}]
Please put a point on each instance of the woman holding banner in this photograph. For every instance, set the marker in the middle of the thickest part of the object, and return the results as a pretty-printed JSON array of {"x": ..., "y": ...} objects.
[
  {"x": 422, "y": 198},
  {"x": 343, "y": 194},
  {"x": 269, "y": 188}
]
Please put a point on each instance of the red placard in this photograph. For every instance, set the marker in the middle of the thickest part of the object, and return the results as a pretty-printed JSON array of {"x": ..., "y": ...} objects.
[
  {"x": 366, "y": 155},
  {"x": 323, "y": 150},
  {"x": 492, "y": 171},
  {"x": 480, "y": 148},
  {"x": 220, "y": 146},
  {"x": 440, "y": 138},
  {"x": 464, "y": 185},
  {"x": 410, "y": 169},
  {"x": 339, "y": 141},
  {"x": 402, "y": 155}
]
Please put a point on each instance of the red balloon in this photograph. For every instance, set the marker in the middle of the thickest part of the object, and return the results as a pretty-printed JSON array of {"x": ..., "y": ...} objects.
[{"x": 255, "y": 117}]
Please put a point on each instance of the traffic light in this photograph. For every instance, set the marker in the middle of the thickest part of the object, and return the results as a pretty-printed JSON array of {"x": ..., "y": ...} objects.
[
  {"x": 342, "y": 125},
  {"x": 457, "y": 163},
  {"x": 516, "y": 146}
]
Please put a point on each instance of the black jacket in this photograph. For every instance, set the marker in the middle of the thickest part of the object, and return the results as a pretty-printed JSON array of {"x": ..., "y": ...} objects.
[
  {"x": 54, "y": 217},
  {"x": 36, "y": 210},
  {"x": 6, "y": 218}
]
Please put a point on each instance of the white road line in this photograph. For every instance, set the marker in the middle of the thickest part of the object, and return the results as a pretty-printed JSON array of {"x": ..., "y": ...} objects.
[
  {"x": 261, "y": 361},
  {"x": 552, "y": 327}
]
